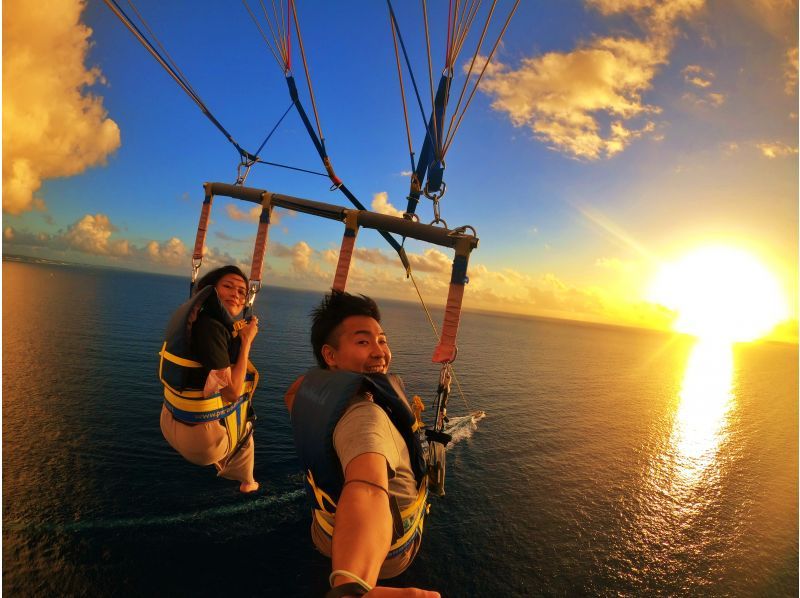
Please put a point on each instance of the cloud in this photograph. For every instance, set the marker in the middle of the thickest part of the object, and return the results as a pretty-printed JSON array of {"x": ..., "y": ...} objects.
[
  {"x": 301, "y": 258},
  {"x": 172, "y": 252},
  {"x": 431, "y": 260},
  {"x": 91, "y": 234},
  {"x": 380, "y": 204},
  {"x": 697, "y": 76},
  {"x": 588, "y": 103},
  {"x": 729, "y": 148},
  {"x": 276, "y": 249},
  {"x": 708, "y": 100},
  {"x": 776, "y": 149},
  {"x": 53, "y": 126},
  {"x": 790, "y": 71},
  {"x": 226, "y": 237},
  {"x": 252, "y": 215},
  {"x": 373, "y": 256},
  {"x": 13, "y": 237},
  {"x": 700, "y": 80}
]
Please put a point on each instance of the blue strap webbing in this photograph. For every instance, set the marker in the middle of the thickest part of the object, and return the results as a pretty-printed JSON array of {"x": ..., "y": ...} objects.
[
  {"x": 206, "y": 416},
  {"x": 320, "y": 145},
  {"x": 428, "y": 162}
]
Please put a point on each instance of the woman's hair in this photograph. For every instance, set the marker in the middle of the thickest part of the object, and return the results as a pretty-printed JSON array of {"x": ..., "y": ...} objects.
[
  {"x": 212, "y": 278},
  {"x": 335, "y": 307}
]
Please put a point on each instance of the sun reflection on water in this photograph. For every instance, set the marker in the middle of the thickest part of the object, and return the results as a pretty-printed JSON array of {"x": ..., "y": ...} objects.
[
  {"x": 683, "y": 475},
  {"x": 704, "y": 401}
]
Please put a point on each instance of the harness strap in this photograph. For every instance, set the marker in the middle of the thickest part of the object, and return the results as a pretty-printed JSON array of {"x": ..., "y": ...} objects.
[
  {"x": 346, "y": 252},
  {"x": 195, "y": 417},
  {"x": 412, "y": 516},
  {"x": 200, "y": 238},
  {"x": 260, "y": 248},
  {"x": 446, "y": 350}
]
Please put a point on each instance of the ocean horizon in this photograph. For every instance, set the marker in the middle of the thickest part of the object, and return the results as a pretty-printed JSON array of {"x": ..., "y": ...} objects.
[{"x": 612, "y": 461}]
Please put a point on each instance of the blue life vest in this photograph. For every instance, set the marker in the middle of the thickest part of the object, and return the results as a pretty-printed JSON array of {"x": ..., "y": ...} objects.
[
  {"x": 319, "y": 404},
  {"x": 182, "y": 395}
]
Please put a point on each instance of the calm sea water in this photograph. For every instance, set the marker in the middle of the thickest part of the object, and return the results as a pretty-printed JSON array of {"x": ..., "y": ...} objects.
[{"x": 611, "y": 462}]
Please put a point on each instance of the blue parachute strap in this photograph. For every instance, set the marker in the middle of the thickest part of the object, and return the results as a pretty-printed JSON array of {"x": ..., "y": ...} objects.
[
  {"x": 179, "y": 79},
  {"x": 320, "y": 145},
  {"x": 408, "y": 65},
  {"x": 278, "y": 124},
  {"x": 428, "y": 163}
]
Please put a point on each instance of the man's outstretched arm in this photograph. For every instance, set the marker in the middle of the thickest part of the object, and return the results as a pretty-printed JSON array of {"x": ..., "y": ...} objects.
[{"x": 363, "y": 531}]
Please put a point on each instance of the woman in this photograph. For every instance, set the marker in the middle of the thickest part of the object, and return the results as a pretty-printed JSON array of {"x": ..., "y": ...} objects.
[{"x": 204, "y": 369}]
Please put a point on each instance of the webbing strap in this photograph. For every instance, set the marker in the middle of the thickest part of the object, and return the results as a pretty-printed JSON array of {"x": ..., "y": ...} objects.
[
  {"x": 346, "y": 252},
  {"x": 337, "y": 182},
  {"x": 427, "y": 155},
  {"x": 445, "y": 351},
  {"x": 260, "y": 249},
  {"x": 202, "y": 226}
]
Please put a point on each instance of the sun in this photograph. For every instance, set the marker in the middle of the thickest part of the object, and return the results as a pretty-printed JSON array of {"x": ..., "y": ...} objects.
[{"x": 720, "y": 293}]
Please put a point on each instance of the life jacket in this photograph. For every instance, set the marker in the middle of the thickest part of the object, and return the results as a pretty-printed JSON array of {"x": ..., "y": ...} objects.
[
  {"x": 320, "y": 399},
  {"x": 182, "y": 395}
]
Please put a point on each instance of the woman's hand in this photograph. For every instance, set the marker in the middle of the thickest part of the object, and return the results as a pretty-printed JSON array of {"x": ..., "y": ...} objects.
[{"x": 249, "y": 332}]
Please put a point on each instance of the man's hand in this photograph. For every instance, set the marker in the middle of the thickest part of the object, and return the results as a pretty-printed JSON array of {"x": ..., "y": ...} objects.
[{"x": 383, "y": 592}]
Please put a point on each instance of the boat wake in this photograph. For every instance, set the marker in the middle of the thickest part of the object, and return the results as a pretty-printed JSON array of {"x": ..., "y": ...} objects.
[
  {"x": 175, "y": 519},
  {"x": 461, "y": 427}
]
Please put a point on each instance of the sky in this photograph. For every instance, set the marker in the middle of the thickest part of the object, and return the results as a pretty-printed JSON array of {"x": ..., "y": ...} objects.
[{"x": 607, "y": 138}]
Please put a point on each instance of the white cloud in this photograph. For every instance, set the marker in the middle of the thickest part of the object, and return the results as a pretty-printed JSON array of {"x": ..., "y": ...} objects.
[
  {"x": 301, "y": 258},
  {"x": 172, "y": 252},
  {"x": 52, "y": 125},
  {"x": 696, "y": 75},
  {"x": 380, "y": 204},
  {"x": 251, "y": 215},
  {"x": 588, "y": 103},
  {"x": 790, "y": 71},
  {"x": 431, "y": 260},
  {"x": 371, "y": 255},
  {"x": 700, "y": 80},
  {"x": 92, "y": 234},
  {"x": 776, "y": 149}
]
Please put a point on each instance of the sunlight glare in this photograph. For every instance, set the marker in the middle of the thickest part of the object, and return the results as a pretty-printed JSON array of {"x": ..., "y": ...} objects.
[{"x": 721, "y": 294}]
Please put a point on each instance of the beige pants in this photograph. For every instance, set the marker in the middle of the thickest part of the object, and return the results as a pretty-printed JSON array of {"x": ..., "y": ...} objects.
[{"x": 207, "y": 444}]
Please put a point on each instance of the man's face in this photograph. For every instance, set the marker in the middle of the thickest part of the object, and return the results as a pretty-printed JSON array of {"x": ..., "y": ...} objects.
[{"x": 362, "y": 347}]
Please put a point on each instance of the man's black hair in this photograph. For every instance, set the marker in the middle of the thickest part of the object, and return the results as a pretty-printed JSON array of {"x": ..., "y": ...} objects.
[
  {"x": 213, "y": 277},
  {"x": 335, "y": 307}
]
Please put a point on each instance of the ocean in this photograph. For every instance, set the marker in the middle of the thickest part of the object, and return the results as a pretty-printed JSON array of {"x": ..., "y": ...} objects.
[{"x": 611, "y": 462}]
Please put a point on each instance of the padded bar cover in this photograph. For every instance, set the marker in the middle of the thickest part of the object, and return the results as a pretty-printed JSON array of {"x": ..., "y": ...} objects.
[
  {"x": 262, "y": 236},
  {"x": 436, "y": 235},
  {"x": 346, "y": 252},
  {"x": 202, "y": 226},
  {"x": 445, "y": 351}
]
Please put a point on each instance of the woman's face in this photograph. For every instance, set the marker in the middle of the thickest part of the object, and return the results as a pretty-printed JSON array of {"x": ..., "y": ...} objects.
[{"x": 232, "y": 291}]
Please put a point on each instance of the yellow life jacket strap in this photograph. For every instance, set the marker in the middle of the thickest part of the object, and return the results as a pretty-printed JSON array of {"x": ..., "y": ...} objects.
[
  {"x": 181, "y": 361},
  {"x": 413, "y": 516}
]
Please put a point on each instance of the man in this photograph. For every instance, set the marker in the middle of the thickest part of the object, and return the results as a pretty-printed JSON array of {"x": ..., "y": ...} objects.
[{"x": 357, "y": 441}]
